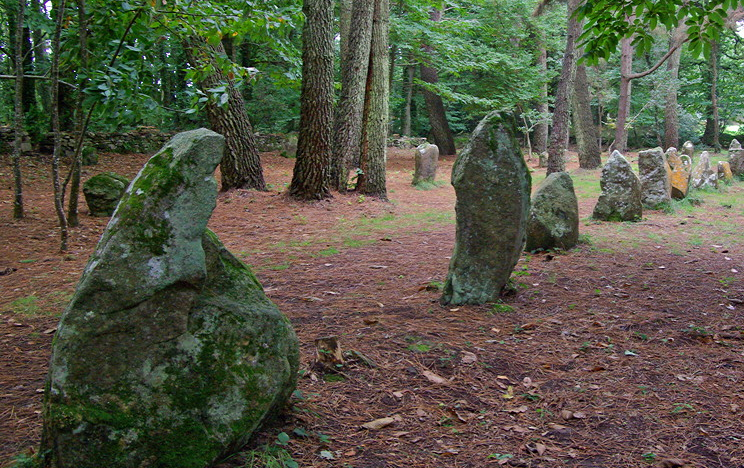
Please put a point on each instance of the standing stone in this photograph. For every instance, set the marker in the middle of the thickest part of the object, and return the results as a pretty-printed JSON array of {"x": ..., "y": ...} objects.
[
  {"x": 89, "y": 156},
  {"x": 736, "y": 161},
  {"x": 703, "y": 175},
  {"x": 427, "y": 156},
  {"x": 103, "y": 191},
  {"x": 620, "y": 199},
  {"x": 655, "y": 175},
  {"x": 554, "y": 215},
  {"x": 735, "y": 145},
  {"x": 492, "y": 184},
  {"x": 680, "y": 177},
  {"x": 724, "y": 172},
  {"x": 169, "y": 353},
  {"x": 688, "y": 149}
]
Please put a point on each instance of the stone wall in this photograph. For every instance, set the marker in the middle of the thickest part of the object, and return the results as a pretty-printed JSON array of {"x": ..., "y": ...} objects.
[{"x": 141, "y": 140}]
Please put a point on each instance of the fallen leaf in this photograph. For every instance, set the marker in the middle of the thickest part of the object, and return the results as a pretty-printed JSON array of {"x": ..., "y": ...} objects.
[
  {"x": 378, "y": 423},
  {"x": 434, "y": 378},
  {"x": 398, "y": 394},
  {"x": 327, "y": 455},
  {"x": 509, "y": 393},
  {"x": 566, "y": 414},
  {"x": 519, "y": 409},
  {"x": 541, "y": 448},
  {"x": 517, "y": 429},
  {"x": 579, "y": 415},
  {"x": 468, "y": 357}
]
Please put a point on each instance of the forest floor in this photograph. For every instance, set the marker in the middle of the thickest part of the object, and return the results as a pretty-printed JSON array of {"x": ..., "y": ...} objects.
[{"x": 627, "y": 351}]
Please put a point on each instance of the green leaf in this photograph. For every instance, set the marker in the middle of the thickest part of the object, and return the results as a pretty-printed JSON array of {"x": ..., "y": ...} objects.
[{"x": 282, "y": 438}]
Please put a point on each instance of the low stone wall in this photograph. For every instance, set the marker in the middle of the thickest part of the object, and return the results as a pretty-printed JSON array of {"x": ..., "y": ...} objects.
[{"x": 141, "y": 140}]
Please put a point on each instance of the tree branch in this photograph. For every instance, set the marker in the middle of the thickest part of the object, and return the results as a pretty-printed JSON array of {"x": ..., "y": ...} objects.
[
  {"x": 661, "y": 61},
  {"x": 36, "y": 77}
]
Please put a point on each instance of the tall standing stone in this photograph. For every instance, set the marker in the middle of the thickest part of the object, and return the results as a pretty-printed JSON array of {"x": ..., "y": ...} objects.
[
  {"x": 703, "y": 175},
  {"x": 680, "y": 176},
  {"x": 554, "y": 215},
  {"x": 169, "y": 353},
  {"x": 492, "y": 184},
  {"x": 427, "y": 156},
  {"x": 620, "y": 199},
  {"x": 655, "y": 175}
]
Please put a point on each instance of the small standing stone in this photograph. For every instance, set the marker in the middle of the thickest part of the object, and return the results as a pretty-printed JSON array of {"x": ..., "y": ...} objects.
[
  {"x": 724, "y": 172},
  {"x": 735, "y": 145},
  {"x": 703, "y": 175},
  {"x": 655, "y": 175},
  {"x": 554, "y": 215},
  {"x": 620, "y": 199},
  {"x": 103, "y": 191},
  {"x": 689, "y": 149},
  {"x": 680, "y": 177},
  {"x": 427, "y": 156},
  {"x": 492, "y": 184}
]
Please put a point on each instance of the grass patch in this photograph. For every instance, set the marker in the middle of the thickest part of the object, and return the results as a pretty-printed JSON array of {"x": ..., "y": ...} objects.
[
  {"x": 429, "y": 184},
  {"x": 28, "y": 305},
  {"x": 269, "y": 456}
]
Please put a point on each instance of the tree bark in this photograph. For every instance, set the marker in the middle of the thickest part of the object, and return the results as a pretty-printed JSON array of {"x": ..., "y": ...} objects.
[
  {"x": 59, "y": 207},
  {"x": 623, "y": 103},
  {"x": 440, "y": 129},
  {"x": 410, "y": 71},
  {"x": 714, "y": 96},
  {"x": 72, "y": 207},
  {"x": 540, "y": 135},
  {"x": 41, "y": 60},
  {"x": 586, "y": 132},
  {"x": 18, "y": 113},
  {"x": 310, "y": 180},
  {"x": 561, "y": 110},
  {"x": 671, "y": 114},
  {"x": 241, "y": 165},
  {"x": 375, "y": 118},
  {"x": 354, "y": 71}
]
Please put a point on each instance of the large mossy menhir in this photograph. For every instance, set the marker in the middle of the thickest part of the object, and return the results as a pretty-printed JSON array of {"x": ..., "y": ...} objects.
[
  {"x": 492, "y": 184},
  {"x": 169, "y": 354}
]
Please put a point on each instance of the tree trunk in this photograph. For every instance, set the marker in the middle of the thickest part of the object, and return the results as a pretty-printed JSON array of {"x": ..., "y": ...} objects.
[
  {"x": 410, "y": 70},
  {"x": 671, "y": 115},
  {"x": 375, "y": 118},
  {"x": 354, "y": 71},
  {"x": 310, "y": 180},
  {"x": 561, "y": 110},
  {"x": 586, "y": 132},
  {"x": 714, "y": 96},
  {"x": 59, "y": 207},
  {"x": 540, "y": 135},
  {"x": 18, "y": 113},
  {"x": 344, "y": 26},
  {"x": 72, "y": 207},
  {"x": 241, "y": 165},
  {"x": 41, "y": 60},
  {"x": 440, "y": 129},
  {"x": 623, "y": 103}
]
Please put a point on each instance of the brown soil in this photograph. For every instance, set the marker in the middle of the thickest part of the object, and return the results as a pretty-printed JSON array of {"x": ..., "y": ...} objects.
[{"x": 627, "y": 351}]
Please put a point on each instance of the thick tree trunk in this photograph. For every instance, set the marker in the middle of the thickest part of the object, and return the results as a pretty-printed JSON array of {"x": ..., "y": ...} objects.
[
  {"x": 561, "y": 111},
  {"x": 586, "y": 132},
  {"x": 410, "y": 71},
  {"x": 540, "y": 135},
  {"x": 310, "y": 180},
  {"x": 375, "y": 118},
  {"x": 671, "y": 114},
  {"x": 345, "y": 8},
  {"x": 623, "y": 104},
  {"x": 440, "y": 129},
  {"x": 354, "y": 71},
  {"x": 241, "y": 165},
  {"x": 18, "y": 113}
]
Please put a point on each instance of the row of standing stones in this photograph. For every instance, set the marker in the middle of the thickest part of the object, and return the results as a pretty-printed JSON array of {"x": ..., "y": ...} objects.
[
  {"x": 170, "y": 354},
  {"x": 663, "y": 176}
]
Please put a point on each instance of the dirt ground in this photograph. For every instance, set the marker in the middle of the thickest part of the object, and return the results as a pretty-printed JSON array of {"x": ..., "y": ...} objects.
[{"x": 627, "y": 351}]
